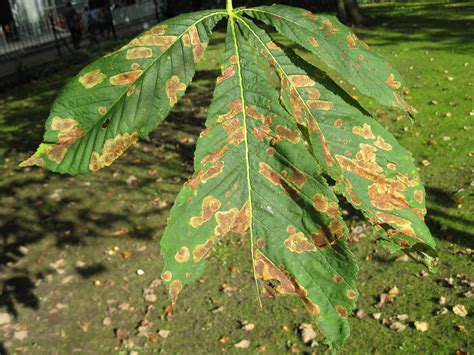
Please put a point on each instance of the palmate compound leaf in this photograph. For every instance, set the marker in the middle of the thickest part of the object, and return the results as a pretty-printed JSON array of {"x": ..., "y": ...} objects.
[
  {"x": 123, "y": 96},
  {"x": 256, "y": 179},
  {"x": 371, "y": 169},
  {"x": 261, "y": 160},
  {"x": 338, "y": 48}
]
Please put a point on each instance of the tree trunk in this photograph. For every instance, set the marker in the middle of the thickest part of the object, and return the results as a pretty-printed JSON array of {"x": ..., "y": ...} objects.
[
  {"x": 341, "y": 11},
  {"x": 348, "y": 12}
]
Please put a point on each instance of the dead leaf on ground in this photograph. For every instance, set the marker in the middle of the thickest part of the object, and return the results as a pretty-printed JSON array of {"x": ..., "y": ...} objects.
[
  {"x": 248, "y": 327},
  {"x": 164, "y": 333},
  {"x": 122, "y": 333},
  {"x": 243, "y": 344},
  {"x": 460, "y": 310},
  {"x": 421, "y": 326},
  {"x": 307, "y": 332}
]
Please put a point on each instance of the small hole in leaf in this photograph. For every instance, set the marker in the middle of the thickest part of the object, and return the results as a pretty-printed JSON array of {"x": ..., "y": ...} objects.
[{"x": 106, "y": 123}]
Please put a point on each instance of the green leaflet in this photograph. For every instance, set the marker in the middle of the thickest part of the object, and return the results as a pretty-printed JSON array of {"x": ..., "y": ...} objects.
[
  {"x": 339, "y": 48},
  {"x": 254, "y": 177},
  {"x": 123, "y": 96},
  {"x": 371, "y": 169},
  {"x": 261, "y": 162}
]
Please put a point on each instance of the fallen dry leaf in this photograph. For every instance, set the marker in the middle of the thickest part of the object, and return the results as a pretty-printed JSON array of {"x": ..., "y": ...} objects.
[
  {"x": 361, "y": 314},
  {"x": 243, "y": 344},
  {"x": 307, "y": 332},
  {"x": 421, "y": 326},
  {"x": 122, "y": 333},
  {"x": 20, "y": 335},
  {"x": 85, "y": 326},
  {"x": 119, "y": 232},
  {"x": 402, "y": 317},
  {"x": 163, "y": 333},
  {"x": 224, "y": 340},
  {"x": 398, "y": 326},
  {"x": 249, "y": 327},
  {"x": 460, "y": 310},
  {"x": 377, "y": 315},
  {"x": 4, "y": 318}
]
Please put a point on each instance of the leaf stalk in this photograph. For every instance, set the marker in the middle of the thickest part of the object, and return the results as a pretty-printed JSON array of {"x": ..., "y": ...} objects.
[{"x": 229, "y": 7}]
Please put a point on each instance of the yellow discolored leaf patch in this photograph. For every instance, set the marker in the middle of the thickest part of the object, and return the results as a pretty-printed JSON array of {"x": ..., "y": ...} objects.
[
  {"x": 380, "y": 143},
  {"x": 92, "y": 78},
  {"x": 391, "y": 82},
  {"x": 182, "y": 255},
  {"x": 297, "y": 243},
  {"x": 139, "y": 53},
  {"x": 113, "y": 148},
  {"x": 209, "y": 206},
  {"x": 173, "y": 85},
  {"x": 126, "y": 78},
  {"x": 365, "y": 131},
  {"x": 201, "y": 250}
]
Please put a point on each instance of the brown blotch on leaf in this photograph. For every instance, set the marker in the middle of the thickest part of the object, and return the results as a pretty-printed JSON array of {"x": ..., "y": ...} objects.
[
  {"x": 201, "y": 250},
  {"x": 102, "y": 110},
  {"x": 337, "y": 278},
  {"x": 126, "y": 78},
  {"x": 226, "y": 74},
  {"x": 182, "y": 255},
  {"x": 209, "y": 206},
  {"x": 297, "y": 243},
  {"x": 320, "y": 105},
  {"x": 391, "y": 82},
  {"x": 173, "y": 85},
  {"x": 314, "y": 42},
  {"x": 330, "y": 28},
  {"x": 310, "y": 15},
  {"x": 139, "y": 53},
  {"x": 380, "y": 143},
  {"x": 387, "y": 196},
  {"x": 260, "y": 243},
  {"x": 153, "y": 40},
  {"x": 113, "y": 148},
  {"x": 320, "y": 203},
  {"x": 351, "y": 294},
  {"x": 34, "y": 160},
  {"x": 212, "y": 172},
  {"x": 234, "y": 220},
  {"x": 214, "y": 157},
  {"x": 273, "y": 46},
  {"x": 297, "y": 177},
  {"x": 300, "y": 81},
  {"x": 176, "y": 286},
  {"x": 92, "y": 78},
  {"x": 338, "y": 123},
  {"x": 342, "y": 311},
  {"x": 69, "y": 134},
  {"x": 364, "y": 131},
  {"x": 266, "y": 270},
  {"x": 418, "y": 195},
  {"x": 321, "y": 239},
  {"x": 351, "y": 43},
  {"x": 166, "y": 276},
  {"x": 292, "y": 136},
  {"x": 198, "y": 46}
]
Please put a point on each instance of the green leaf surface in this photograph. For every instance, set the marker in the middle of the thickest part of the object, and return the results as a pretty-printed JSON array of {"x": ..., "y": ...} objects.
[
  {"x": 339, "y": 48},
  {"x": 255, "y": 179},
  {"x": 373, "y": 171},
  {"x": 123, "y": 96}
]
